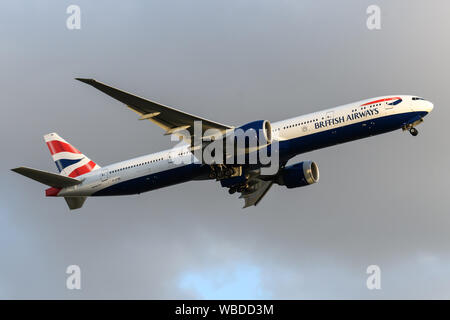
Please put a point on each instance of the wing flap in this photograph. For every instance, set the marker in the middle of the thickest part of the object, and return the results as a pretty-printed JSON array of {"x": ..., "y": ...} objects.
[{"x": 253, "y": 198}]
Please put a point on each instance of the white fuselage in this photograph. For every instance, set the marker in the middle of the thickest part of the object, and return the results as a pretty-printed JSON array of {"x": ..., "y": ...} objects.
[{"x": 360, "y": 117}]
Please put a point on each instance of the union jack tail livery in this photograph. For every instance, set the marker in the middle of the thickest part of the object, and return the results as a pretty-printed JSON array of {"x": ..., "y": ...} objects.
[{"x": 69, "y": 161}]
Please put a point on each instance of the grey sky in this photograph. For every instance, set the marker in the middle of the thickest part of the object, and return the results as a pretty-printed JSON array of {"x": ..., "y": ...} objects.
[{"x": 382, "y": 200}]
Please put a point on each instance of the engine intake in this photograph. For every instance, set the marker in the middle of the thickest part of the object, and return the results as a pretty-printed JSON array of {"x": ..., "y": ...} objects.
[{"x": 299, "y": 174}]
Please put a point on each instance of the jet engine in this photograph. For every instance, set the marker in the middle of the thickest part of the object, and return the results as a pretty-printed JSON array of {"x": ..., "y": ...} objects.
[
  {"x": 259, "y": 131},
  {"x": 299, "y": 174},
  {"x": 241, "y": 145}
]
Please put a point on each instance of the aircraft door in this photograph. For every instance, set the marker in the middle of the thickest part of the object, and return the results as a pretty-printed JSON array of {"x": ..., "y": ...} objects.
[
  {"x": 388, "y": 108},
  {"x": 172, "y": 156},
  {"x": 104, "y": 174},
  {"x": 330, "y": 115}
]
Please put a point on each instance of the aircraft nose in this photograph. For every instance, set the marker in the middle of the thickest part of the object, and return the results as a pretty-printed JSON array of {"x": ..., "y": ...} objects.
[{"x": 428, "y": 106}]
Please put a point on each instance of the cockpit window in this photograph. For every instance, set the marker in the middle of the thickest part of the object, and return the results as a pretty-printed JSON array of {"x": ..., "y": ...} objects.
[{"x": 418, "y": 98}]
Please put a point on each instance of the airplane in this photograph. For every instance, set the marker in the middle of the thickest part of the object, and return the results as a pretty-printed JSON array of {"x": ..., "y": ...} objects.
[{"x": 79, "y": 177}]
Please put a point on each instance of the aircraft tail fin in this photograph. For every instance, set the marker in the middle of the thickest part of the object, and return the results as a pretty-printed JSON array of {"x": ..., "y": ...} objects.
[{"x": 68, "y": 159}]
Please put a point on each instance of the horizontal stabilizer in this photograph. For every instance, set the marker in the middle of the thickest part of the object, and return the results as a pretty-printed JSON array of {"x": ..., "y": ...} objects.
[{"x": 47, "y": 178}]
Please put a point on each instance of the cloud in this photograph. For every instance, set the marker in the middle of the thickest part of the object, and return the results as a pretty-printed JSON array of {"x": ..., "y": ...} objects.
[
  {"x": 237, "y": 281},
  {"x": 381, "y": 200}
]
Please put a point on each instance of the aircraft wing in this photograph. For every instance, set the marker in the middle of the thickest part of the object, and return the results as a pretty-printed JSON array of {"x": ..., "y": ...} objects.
[
  {"x": 170, "y": 119},
  {"x": 259, "y": 190}
]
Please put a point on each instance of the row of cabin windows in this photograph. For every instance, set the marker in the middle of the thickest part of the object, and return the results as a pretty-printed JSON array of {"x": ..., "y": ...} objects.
[
  {"x": 136, "y": 165},
  {"x": 315, "y": 120},
  {"x": 299, "y": 124},
  {"x": 367, "y": 107}
]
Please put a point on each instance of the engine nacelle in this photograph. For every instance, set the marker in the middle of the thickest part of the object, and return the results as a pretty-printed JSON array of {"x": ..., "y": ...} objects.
[
  {"x": 258, "y": 133},
  {"x": 241, "y": 145},
  {"x": 299, "y": 174}
]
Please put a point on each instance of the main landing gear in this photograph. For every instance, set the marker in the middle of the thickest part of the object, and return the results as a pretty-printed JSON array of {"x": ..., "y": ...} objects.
[
  {"x": 221, "y": 171},
  {"x": 414, "y": 132},
  {"x": 239, "y": 188}
]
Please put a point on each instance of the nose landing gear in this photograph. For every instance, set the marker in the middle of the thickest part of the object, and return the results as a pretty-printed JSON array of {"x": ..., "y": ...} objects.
[
  {"x": 411, "y": 126},
  {"x": 414, "y": 132}
]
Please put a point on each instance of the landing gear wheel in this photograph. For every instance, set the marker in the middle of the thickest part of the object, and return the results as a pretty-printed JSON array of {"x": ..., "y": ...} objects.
[
  {"x": 212, "y": 175},
  {"x": 228, "y": 172},
  {"x": 413, "y": 132},
  {"x": 241, "y": 189}
]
